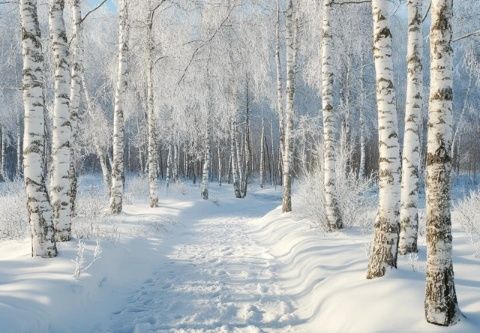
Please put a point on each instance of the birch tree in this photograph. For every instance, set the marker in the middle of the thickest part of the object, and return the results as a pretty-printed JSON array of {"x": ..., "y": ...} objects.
[
  {"x": 262, "y": 154},
  {"x": 206, "y": 162},
  {"x": 75, "y": 95},
  {"x": 19, "y": 169},
  {"x": 411, "y": 149},
  {"x": 384, "y": 248},
  {"x": 441, "y": 307},
  {"x": 279, "y": 87},
  {"x": 234, "y": 157},
  {"x": 289, "y": 111},
  {"x": 3, "y": 148},
  {"x": 100, "y": 150},
  {"x": 38, "y": 204},
  {"x": 152, "y": 146},
  {"x": 332, "y": 211},
  {"x": 62, "y": 130},
  {"x": 116, "y": 195}
]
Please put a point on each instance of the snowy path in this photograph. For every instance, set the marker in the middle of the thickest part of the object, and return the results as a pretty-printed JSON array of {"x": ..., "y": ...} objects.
[
  {"x": 223, "y": 265},
  {"x": 213, "y": 278}
]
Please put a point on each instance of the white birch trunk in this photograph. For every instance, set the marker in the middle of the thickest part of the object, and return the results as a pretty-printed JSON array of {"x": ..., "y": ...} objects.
[
  {"x": 169, "y": 166},
  {"x": 362, "y": 168},
  {"x": 441, "y": 307},
  {"x": 62, "y": 130},
  {"x": 278, "y": 66},
  {"x": 273, "y": 164},
  {"x": 152, "y": 147},
  {"x": 116, "y": 197},
  {"x": 332, "y": 211},
  {"x": 234, "y": 157},
  {"x": 206, "y": 163},
  {"x": 289, "y": 111},
  {"x": 38, "y": 204},
  {"x": 220, "y": 165},
  {"x": 239, "y": 156},
  {"x": 176, "y": 162},
  {"x": 75, "y": 95},
  {"x": 385, "y": 242},
  {"x": 19, "y": 171},
  {"x": 411, "y": 149},
  {"x": 246, "y": 160},
  {"x": 3, "y": 143},
  {"x": 262, "y": 155}
]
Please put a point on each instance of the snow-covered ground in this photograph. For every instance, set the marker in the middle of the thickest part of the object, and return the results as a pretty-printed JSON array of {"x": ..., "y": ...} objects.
[{"x": 223, "y": 265}]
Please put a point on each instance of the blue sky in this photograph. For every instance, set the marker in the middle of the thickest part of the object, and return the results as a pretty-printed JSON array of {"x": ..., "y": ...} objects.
[{"x": 111, "y": 4}]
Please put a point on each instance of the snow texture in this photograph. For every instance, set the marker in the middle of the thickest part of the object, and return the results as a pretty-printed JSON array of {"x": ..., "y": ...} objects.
[{"x": 222, "y": 265}]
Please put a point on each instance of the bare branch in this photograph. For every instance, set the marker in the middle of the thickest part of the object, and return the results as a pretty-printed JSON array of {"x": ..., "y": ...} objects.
[
  {"x": 201, "y": 46},
  {"x": 351, "y": 2},
  {"x": 466, "y": 36},
  {"x": 428, "y": 10},
  {"x": 91, "y": 11}
]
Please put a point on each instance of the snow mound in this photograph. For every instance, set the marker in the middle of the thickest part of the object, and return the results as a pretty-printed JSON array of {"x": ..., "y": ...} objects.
[{"x": 324, "y": 274}]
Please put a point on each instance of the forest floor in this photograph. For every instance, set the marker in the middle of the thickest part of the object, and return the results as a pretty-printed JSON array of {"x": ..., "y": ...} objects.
[{"x": 222, "y": 265}]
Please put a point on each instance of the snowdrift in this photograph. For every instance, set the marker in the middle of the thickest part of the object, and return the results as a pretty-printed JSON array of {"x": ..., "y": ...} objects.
[{"x": 324, "y": 275}]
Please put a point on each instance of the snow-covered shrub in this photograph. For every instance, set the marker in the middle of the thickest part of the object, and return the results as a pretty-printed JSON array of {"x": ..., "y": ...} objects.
[
  {"x": 468, "y": 214},
  {"x": 178, "y": 187},
  {"x": 80, "y": 266},
  {"x": 136, "y": 189},
  {"x": 355, "y": 199},
  {"x": 90, "y": 221},
  {"x": 13, "y": 210}
]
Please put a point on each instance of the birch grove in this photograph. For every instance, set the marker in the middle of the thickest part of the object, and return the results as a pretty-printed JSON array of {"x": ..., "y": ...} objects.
[{"x": 298, "y": 112}]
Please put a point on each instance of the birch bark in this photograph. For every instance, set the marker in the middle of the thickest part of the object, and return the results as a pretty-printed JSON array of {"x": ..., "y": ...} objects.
[
  {"x": 169, "y": 166},
  {"x": 385, "y": 242},
  {"x": 38, "y": 204},
  {"x": 332, "y": 211},
  {"x": 220, "y": 164},
  {"x": 362, "y": 172},
  {"x": 3, "y": 145},
  {"x": 152, "y": 147},
  {"x": 75, "y": 95},
  {"x": 411, "y": 149},
  {"x": 206, "y": 163},
  {"x": 233, "y": 154},
  {"x": 116, "y": 197},
  {"x": 289, "y": 111},
  {"x": 262, "y": 155},
  {"x": 278, "y": 67},
  {"x": 62, "y": 129},
  {"x": 19, "y": 170},
  {"x": 441, "y": 307}
]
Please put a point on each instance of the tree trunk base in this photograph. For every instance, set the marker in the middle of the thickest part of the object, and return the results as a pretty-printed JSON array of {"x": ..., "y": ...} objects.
[{"x": 441, "y": 306}]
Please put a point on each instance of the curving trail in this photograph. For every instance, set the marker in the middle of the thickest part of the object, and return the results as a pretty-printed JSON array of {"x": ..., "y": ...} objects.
[
  {"x": 234, "y": 265},
  {"x": 213, "y": 276}
]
